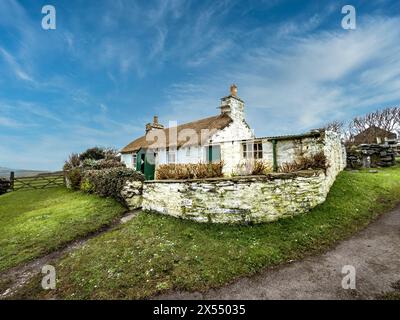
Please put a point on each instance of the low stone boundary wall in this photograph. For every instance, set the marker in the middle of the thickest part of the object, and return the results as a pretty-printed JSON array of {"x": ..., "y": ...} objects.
[
  {"x": 240, "y": 199},
  {"x": 132, "y": 194},
  {"x": 371, "y": 156}
]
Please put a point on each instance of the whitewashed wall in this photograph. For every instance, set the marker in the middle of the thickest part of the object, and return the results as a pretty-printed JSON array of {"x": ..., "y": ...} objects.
[
  {"x": 230, "y": 140},
  {"x": 128, "y": 160},
  {"x": 289, "y": 150}
]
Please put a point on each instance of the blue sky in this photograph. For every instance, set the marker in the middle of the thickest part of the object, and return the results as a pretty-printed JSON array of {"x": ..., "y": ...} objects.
[{"x": 111, "y": 65}]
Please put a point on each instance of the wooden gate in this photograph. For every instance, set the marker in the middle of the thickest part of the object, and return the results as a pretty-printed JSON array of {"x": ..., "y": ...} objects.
[{"x": 41, "y": 181}]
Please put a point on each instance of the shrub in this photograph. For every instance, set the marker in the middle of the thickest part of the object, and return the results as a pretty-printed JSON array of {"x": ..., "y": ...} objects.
[
  {"x": 92, "y": 159},
  {"x": 94, "y": 153},
  {"x": 260, "y": 168},
  {"x": 253, "y": 167},
  {"x": 4, "y": 185},
  {"x": 287, "y": 167},
  {"x": 72, "y": 162},
  {"x": 91, "y": 164},
  {"x": 109, "y": 182},
  {"x": 74, "y": 178},
  {"x": 314, "y": 162},
  {"x": 189, "y": 171},
  {"x": 87, "y": 186}
]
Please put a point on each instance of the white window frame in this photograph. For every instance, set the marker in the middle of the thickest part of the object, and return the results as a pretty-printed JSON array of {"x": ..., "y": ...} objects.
[
  {"x": 170, "y": 154},
  {"x": 252, "y": 150}
]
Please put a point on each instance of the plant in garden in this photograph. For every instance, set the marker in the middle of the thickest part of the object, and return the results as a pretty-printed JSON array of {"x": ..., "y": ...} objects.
[
  {"x": 314, "y": 162},
  {"x": 109, "y": 182},
  {"x": 252, "y": 167},
  {"x": 189, "y": 171},
  {"x": 74, "y": 177}
]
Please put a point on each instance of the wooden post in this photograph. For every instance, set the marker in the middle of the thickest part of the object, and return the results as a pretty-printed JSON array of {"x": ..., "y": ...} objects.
[
  {"x": 274, "y": 155},
  {"x": 12, "y": 175}
]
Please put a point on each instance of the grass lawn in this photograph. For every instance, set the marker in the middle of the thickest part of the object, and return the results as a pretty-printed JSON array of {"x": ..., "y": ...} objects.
[
  {"x": 36, "y": 222},
  {"x": 155, "y": 253}
]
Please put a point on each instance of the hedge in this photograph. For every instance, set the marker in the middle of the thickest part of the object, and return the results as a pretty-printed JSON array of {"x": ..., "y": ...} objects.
[{"x": 108, "y": 182}]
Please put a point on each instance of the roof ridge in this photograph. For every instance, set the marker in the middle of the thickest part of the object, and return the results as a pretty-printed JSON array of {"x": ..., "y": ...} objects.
[{"x": 214, "y": 122}]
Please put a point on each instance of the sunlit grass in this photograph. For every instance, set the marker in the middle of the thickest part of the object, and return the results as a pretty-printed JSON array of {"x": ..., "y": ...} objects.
[{"x": 35, "y": 222}]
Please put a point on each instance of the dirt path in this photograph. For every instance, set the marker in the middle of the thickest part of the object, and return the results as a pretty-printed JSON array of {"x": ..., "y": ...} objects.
[
  {"x": 18, "y": 276},
  {"x": 374, "y": 252}
]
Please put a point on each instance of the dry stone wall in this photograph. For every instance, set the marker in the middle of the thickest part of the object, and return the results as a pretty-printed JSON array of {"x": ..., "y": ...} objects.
[
  {"x": 237, "y": 200},
  {"x": 370, "y": 156},
  {"x": 132, "y": 194},
  {"x": 253, "y": 199}
]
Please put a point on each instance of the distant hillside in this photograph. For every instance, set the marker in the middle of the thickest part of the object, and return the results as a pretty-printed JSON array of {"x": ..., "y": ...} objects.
[{"x": 5, "y": 172}]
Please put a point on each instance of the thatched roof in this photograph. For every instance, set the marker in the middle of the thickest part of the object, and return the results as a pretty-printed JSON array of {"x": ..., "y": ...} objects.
[{"x": 192, "y": 133}]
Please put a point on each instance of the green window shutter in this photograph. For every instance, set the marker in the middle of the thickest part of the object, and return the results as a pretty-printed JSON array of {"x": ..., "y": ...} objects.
[{"x": 214, "y": 154}]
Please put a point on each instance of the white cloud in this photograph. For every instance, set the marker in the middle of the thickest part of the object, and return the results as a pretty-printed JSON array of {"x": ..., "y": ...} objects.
[
  {"x": 15, "y": 66},
  {"x": 297, "y": 85}
]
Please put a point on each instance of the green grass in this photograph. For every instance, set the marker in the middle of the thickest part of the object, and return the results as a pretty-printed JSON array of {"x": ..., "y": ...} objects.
[
  {"x": 155, "y": 253},
  {"x": 36, "y": 222}
]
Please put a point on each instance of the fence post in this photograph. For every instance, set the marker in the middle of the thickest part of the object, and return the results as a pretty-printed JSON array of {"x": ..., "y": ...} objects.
[
  {"x": 12, "y": 175},
  {"x": 274, "y": 156}
]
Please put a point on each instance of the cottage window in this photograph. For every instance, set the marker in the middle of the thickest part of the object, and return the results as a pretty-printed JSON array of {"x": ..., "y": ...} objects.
[
  {"x": 252, "y": 150},
  {"x": 171, "y": 156},
  {"x": 214, "y": 153}
]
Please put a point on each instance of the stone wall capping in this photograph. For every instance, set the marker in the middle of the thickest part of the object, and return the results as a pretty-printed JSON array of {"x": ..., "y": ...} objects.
[{"x": 269, "y": 176}]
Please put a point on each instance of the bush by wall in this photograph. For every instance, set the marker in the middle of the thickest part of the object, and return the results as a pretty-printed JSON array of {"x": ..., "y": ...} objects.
[
  {"x": 74, "y": 178},
  {"x": 91, "y": 164},
  {"x": 252, "y": 167},
  {"x": 109, "y": 182},
  {"x": 189, "y": 171},
  {"x": 92, "y": 159},
  {"x": 315, "y": 162}
]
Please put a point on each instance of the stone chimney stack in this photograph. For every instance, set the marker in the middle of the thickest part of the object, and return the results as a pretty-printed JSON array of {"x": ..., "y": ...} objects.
[
  {"x": 154, "y": 125},
  {"x": 232, "y": 105},
  {"x": 234, "y": 90}
]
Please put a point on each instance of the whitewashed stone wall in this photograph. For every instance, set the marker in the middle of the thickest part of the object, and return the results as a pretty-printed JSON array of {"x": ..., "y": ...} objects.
[
  {"x": 237, "y": 200},
  {"x": 335, "y": 153},
  {"x": 290, "y": 150},
  {"x": 132, "y": 194},
  {"x": 248, "y": 199}
]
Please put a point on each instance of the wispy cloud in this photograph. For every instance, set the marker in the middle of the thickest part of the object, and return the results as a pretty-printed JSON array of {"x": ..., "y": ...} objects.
[
  {"x": 104, "y": 72},
  {"x": 314, "y": 79},
  {"x": 14, "y": 65}
]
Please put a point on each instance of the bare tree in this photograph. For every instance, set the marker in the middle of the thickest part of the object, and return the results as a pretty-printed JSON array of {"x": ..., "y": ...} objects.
[
  {"x": 336, "y": 126},
  {"x": 387, "y": 119}
]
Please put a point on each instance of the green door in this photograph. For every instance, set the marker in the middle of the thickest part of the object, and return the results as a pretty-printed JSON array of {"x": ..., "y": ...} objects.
[
  {"x": 145, "y": 163},
  {"x": 149, "y": 166}
]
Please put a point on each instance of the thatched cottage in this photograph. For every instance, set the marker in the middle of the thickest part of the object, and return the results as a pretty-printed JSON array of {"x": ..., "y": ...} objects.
[{"x": 225, "y": 137}]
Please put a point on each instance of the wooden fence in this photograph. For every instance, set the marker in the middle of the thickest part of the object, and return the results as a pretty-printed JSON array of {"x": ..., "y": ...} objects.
[{"x": 41, "y": 181}]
